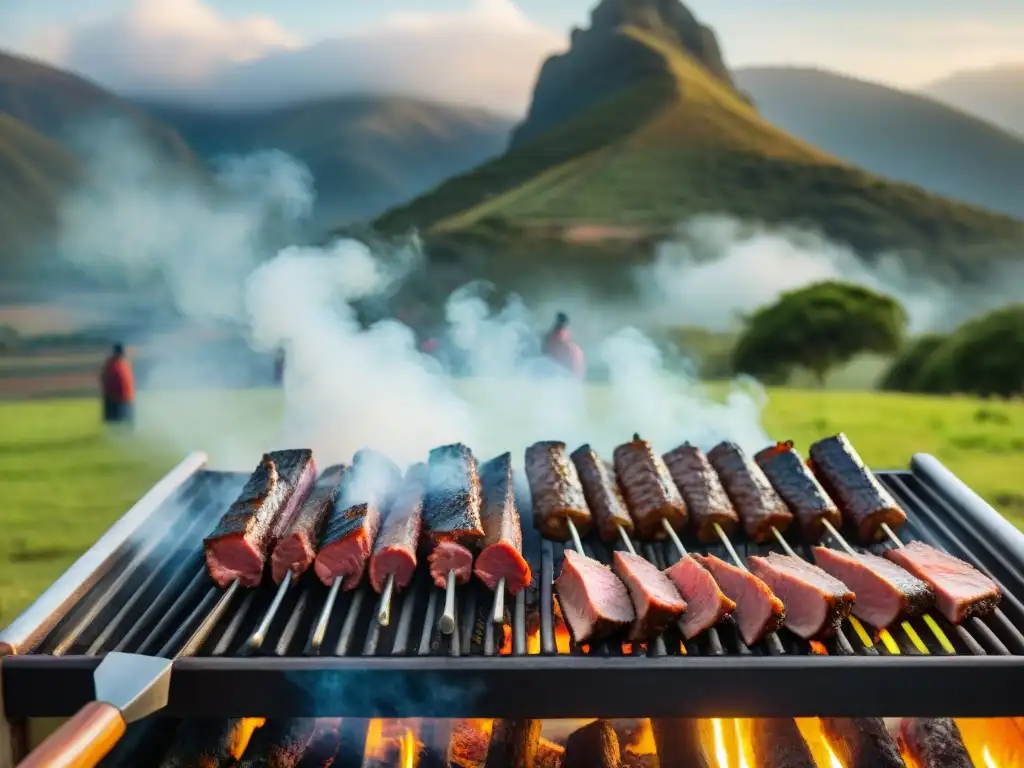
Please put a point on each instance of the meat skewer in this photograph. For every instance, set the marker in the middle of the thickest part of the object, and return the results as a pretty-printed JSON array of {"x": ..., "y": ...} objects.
[
  {"x": 451, "y": 512},
  {"x": 648, "y": 488},
  {"x": 560, "y": 508},
  {"x": 602, "y": 493},
  {"x": 393, "y": 563},
  {"x": 701, "y": 489},
  {"x": 799, "y": 488},
  {"x": 759, "y": 506},
  {"x": 501, "y": 564}
]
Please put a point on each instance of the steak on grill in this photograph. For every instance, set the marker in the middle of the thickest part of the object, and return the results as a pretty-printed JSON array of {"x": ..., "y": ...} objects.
[
  {"x": 758, "y": 611},
  {"x": 296, "y": 550},
  {"x": 279, "y": 744},
  {"x": 394, "y": 551},
  {"x": 863, "y": 501},
  {"x": 706, "y": 604},
  {"x": 239, "y": 546},
  {"x": 648, "y": 489},
  {"x": 861, "y": 742},
  {"x": 451, "y": 512},
  {"x": 655, "y": 600},
  {"x": 502, "y": 554},
  {"x": 934, "y": 742},
  {"x": 961, "y": 590},
  {"x": 593, "y": 746},
  {"x": 594, "y": 603},
  {"x": 706, "y": 500},
  {"x": 355, "y": 519},
  {"x": 778, "y": 743},
  {"x": 602, "y": 492},
  {"x": 800, "y": 489},
  {"x": 885, "y": 592},
  {"x": 760, "y": 508},
  {"x": 816, "y": 603},
  {"x": 555, "y": 491}
]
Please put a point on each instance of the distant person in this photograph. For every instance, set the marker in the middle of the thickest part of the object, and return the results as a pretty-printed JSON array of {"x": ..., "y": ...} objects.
[
  {"x": 560, "y": 347},
  {"x": 118, "y": 386},
  {"x": 279, "y": 368}
]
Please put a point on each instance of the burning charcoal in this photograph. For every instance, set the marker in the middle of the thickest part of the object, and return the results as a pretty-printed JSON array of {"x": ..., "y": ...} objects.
[
  {"x": 680, "y": 742},
  {"x": 279, "y": 744},
  {"x": 436, "y": 750},
  {"x": 469, "y": 743},
  {"x": 323, "y": 746},
  {"x": 861, "y": 742},
  {"x": 514, "y": 744},
  {"x": 778, "y": 743},
  {"x": 592, "y": 746},
  {"x": 204, "y": 743},
  {"x": 934, "y": 743},
  {"x": 549, "y": 755}
]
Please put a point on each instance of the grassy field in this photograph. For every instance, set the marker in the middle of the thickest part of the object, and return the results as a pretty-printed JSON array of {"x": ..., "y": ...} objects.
[{"x": 65, "y": 480}]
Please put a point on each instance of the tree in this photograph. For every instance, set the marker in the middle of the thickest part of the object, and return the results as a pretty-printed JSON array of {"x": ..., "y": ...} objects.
[
  {"x": 904, "y": 375},
  {"x": 984, "y": 357},
  {"x": 818, "y": 327}
]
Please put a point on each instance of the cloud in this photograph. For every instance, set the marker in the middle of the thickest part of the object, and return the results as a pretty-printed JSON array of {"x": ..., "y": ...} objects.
[{"x": 487, "y": 55}]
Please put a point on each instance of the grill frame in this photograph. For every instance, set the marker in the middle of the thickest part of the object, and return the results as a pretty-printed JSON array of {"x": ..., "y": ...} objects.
[{"x": 943, "y": 511}]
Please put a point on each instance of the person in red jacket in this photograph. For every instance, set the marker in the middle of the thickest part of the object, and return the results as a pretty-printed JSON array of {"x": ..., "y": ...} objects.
[
  {"x": 560, "y": 347},
  {"x": 118, "y": 386}
]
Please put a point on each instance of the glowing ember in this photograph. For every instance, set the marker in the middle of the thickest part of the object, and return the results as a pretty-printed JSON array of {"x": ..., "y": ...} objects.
[
  {"x": 408, "y": 749},
  {"x": 561, "y": 631},
  {"x": 818, "y": 648},
  {"x": 833, "y": 760},
  {"x": 721, "y": 753},
  {"x": 987, "y": 757},
  {"x": 533, "y": 643},
  {"x": 643, "y": 739},
  {"x": 506, "y": 645}
]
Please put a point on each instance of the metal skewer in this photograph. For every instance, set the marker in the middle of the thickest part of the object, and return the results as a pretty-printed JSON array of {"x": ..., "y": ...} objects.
[
  {"x": 384, "y": 610},
  {"x": 575, "y": 535},
  {"x": 257, "y": 638},
  {"x": 320, "y": 631},
  {"x": 625, "y": 538},
  {"x": 447, "y": 622},
  {"x": 498, "y": 614}
]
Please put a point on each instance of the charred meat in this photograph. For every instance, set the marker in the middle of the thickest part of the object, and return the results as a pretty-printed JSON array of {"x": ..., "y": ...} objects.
[
  {"x": 865, "y": 504},
  {"x": 816, "y": 603},
  {"x": 655, "y": 600},
  {"x": 961, "y": 590},
  {"x": 555, "y": 491},
  {"x": 760, "y": 508},
  {"x": 706, "y": 604},
  {"x": 594, "y": 603},
  {"x": 934, "y": 743},
  {"x": 602, "y": 492},
  {"x": 593, "y": 746},
  {"x": 451, "y": 512},
  {"x": 861, "y": 742},
  {"x": 355, "y": 519},
  {"x": 394, "y": 552},
  {"x": 778, "y": 743},
  {"x": 502, "y": 554},
  {"x": 758, "y": 611},
  {"x": 885, "y": 592},
  {"x": 296, "y": 550},
  {"x": 239, "y": 546},
  {"x": 706, "y": 500},
  {"x": 800, "y": 489},
  {"x": 648, "y": 489}
]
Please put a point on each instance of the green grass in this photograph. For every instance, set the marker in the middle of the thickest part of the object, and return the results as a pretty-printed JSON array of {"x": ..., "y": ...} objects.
[{"x": 65, "y": 481}]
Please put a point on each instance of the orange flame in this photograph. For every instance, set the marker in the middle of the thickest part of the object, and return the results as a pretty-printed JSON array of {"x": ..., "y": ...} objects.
[
  {"x": 506, "y": 644},
  {"x": 993, "y": 742},
  {"x": 741, "y": 745},
  {"x": 643, "y": 740},
  {"x": 721, "y": 753},
  {"x": 818, "y": 648},
  {"x": 561, "y": 631},
  {"x": 533, "y": 642},
  {"x": 408, "y": 749}
]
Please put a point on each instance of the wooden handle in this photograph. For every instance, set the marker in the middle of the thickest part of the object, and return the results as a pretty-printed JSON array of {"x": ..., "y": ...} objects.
[{"x": 82, "y": 741}]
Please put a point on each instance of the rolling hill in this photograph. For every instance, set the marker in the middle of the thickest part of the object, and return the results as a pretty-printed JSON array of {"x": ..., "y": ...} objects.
[
  {"x": 674, "y": 140},
  {"x": 996, "y": 94},
  {"x": 898, "y": 135}
]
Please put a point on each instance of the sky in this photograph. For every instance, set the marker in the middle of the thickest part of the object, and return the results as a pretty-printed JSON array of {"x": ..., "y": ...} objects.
[{"x": 489, "y": 50}]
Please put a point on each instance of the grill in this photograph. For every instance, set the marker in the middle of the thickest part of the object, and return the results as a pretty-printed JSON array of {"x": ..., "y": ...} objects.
[{"x": 143, "y": 589}]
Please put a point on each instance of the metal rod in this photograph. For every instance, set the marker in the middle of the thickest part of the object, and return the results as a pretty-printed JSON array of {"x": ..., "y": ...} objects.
[
  {"x": 384, "y": 610},
  {"x": 625, "y": 539},
  {"x": 447, "y": 623},
  {"x": 729, "y": 547},
  {"x": 673, "y": 537},
  {"x": 576, "y": 542},
  {"x": 195, "y": 642},
  {"x": 317, "y": 638},
  {"x": 498, "y": 615},
  {"x": 257, "y": 637}
]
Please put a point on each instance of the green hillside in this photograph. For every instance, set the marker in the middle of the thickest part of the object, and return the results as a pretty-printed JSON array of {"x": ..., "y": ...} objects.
[
  {"x": 902, "y": 136},
  {"x": 678, "y": 141}
]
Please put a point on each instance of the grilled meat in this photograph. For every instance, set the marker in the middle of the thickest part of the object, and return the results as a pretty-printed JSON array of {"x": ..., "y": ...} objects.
[
  {"x": 296, "y": 550},
  {"x": 451, "y": 512},
  {"x": 555, "y": 491},
  {"x": 961, "y": 590},
  {"x": 648, "y": 489},
  {"x": 778, "y": 743},
  {"x": 602, "y": 492},
  {"x": 209, "y": 743},
  {"x": 800, "y": 489},
  {"x": 279, "y": 744},
  {"x": 760, "y": 508},
  {"x": 594, "y": 603},
  {"x": 394, "y": 551},
  {"x": 816, "y": 603},
  {"x": 706, "y": 604},
  {"x": 758, "y": 611},
  {"x": 355, "y": 520},
  {"x": 934, "y": 742},
  {"x": 865, "y": 504},
  {"x": 680, "y": 743},
  {"x": 514, "y": 744},
  {"x": 861, "y": 742},
  {"x": 592, "y": 746},
  {"x": 706, "y": 500},
  {"x": 885, "y": 592},
  {"x": 239, "y": 546},
  {"x": 502, "y": 554},
  {"x": 655, "y": 600}
]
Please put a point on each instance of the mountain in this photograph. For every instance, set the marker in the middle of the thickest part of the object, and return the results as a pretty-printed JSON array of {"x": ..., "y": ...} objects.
[
  {"x": 898, "y": 135},
  {"x": 996, "y": 94},
  {"x": 668, "y": 138},
  {"x": 365, "y": 153}
]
